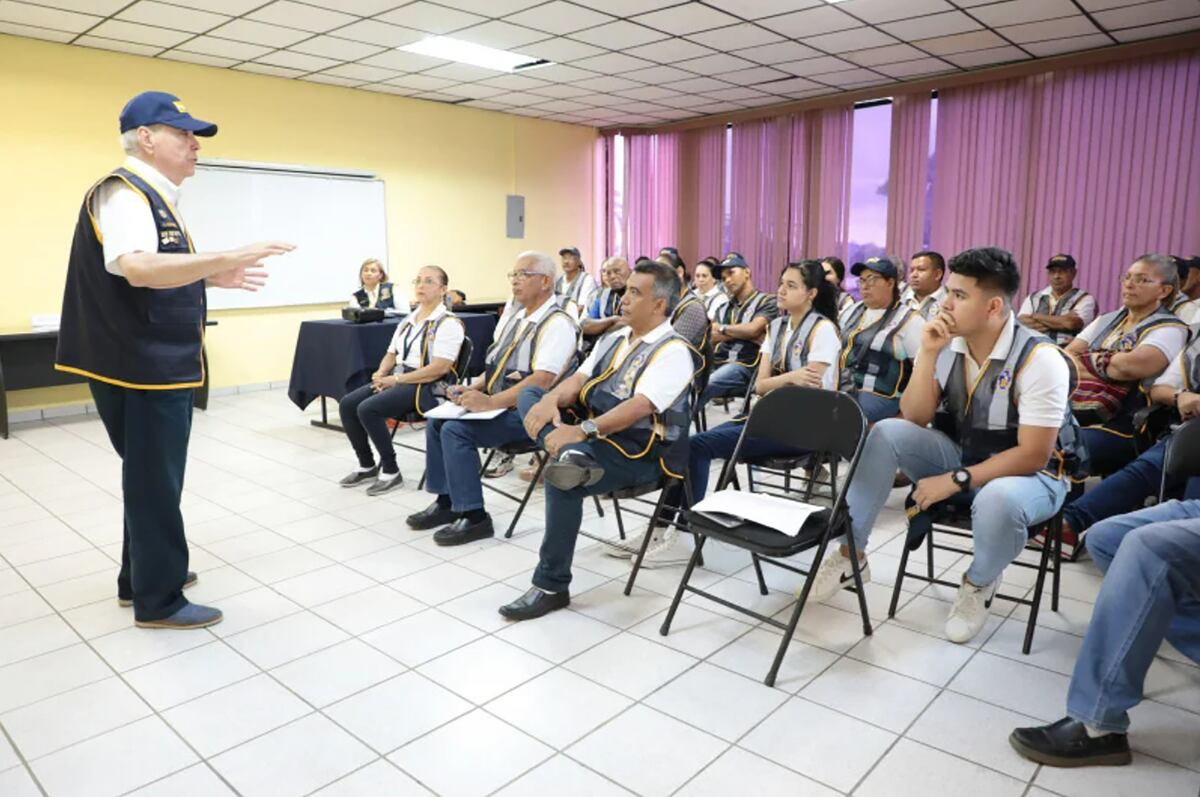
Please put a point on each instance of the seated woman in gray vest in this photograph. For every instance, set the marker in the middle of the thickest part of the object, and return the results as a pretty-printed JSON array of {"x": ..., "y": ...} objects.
[
  {"x": 632, "y": 394},
  {"x": 1060, "y": 309},
  {"x": 373, "y": 289},
  {"x": 412, "y": 377},
  {"x": 688, "y": 318},
  {"x": 880, "y": 337},
  {"x": 997, "y": 394},
  {"x": 835, "y": 273},
  {"x": 1127, "y": 350},
  {"x": 739, "y": 331},
  {"x": 709, "y": 288}
]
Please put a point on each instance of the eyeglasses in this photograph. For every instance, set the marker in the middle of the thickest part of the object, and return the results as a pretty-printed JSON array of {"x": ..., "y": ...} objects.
[
  {"x": 1138, "y": 280},
  {"x": 426, "y": 281},
  {"x": 867, "y": 282},
  {"x": 523, "y": 275}
]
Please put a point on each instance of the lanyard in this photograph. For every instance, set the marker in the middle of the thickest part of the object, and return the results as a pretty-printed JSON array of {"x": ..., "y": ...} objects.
[{"x": 407, "y": 342}]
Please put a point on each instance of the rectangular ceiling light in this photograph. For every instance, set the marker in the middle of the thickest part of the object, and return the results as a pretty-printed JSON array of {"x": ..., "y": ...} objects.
[{"x": 464, "y": 52}]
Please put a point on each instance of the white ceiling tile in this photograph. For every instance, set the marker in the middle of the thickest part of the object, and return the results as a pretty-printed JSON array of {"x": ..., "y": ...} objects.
[
  {"x": 995, "y": 55},
  {"x": 380, "y": 33},
  {"x": 559, "y": 17},
  {"x": 362, "y": 8},
  {"x": 561, "y": 106},
  {"x": 673, "y": 114},
  {"x": 720, "y": 107},
  {"x": 699, "y": 84},
  {"x": 884, "y": 55},
  {"x": 758, "y": 74},
  {"x": 849, "y": 40},
  {"x": 245, "y": 30},
  {"x": 1015, "y": 12},
  {"x": 768, "y": 99},
  {"x": 810, "y": 22},
  {"x": 419, "y": 82},
  {"x": 165, "y": 16},
  {"x": 1058, "y": 46},
  {"x": 402, "y": 61},
  {"x": 231, "y": 7},
  {"x": 560, "y": 50},
  {"x": 816, "y": 66},
  {"x": 618, "y": 35},
  {"x": 489, "y": 8},
  {"x": 140, "y": 34},
  {"x": 919, "y": 66},
  {"x": 461, "y": 72},
  {"x": 267, "y": 69},
  {"x": 41, "y": 17},
  {"x": 1148, "y": 13},
  {"x": 1077, "y": 25},
  {"x": 737, "y": 93},
  {"x": 960, "y": 42},
  {"x": 640, "y": 107},
  {"x": 331, "y": 80},
  {"x": 517, "y": 98},
  {"x": 647, "y": 93},
  {"x": 500, "y": 35},
  {"x": 845, "y": 77},
  {"x": 612, "y": 63},
  {"x": 684, "y": 19},
  {"x": 198, "y": 58},
  {"x": 562, "y": 91},
  {"x": 514, "y": 83},
  {"x": 384, "y": 88},
  {"x": 601, "y": 100},
  {"x": 607, "y": 83},
  {"x": 875, "y": 11},
  {"x": 332, "y": 47},
  {"x": 29, "y": 31},
  {"x": 1161, "y": 29},
  {"x": 305, "y": 63},
  {"x": 224, "y": 48},
  {"x": 484, "y": 105},
  {"x": 668, "y": 51},
  {"x": 756, "y": 9},
  {"x": 101, "y": 43},
  {"x": 474, "y": 91},
  {"x": 715, "y": 64},
  {"x": 434, "y": 96},
  {"x": 95, "y": 7},
  {"x": 685, "y": 101},
  {"x": 626, "y": 8},
  {"x": 736, "y": 37},
  {"x": 934, "y": 25},
  {"x": 298, "y": 15},
  {"x": 1104, "y": 5},
  {"x": 658, "y": 74},
  {"x": 972, "y": 3},
  {"x": 362, "y": 73},
  {"x": 431, "y": 18},
  {"x": 780, "y": 53},
  {"x": 557, "y": 73}
]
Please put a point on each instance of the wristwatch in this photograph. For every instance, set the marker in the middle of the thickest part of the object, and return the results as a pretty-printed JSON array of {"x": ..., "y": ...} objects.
[
  {"x": 962, "y": 478},
  {"x": 589, "y": 429},
  {"x": 721, "y": 328}
]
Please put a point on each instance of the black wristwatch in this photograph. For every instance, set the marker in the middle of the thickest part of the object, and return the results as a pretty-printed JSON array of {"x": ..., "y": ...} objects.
[
  {"x": 589, "y": 429},
  {"x": 962, "y": 477}
]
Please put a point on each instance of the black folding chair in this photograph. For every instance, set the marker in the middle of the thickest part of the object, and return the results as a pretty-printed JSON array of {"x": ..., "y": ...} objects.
[
  {"x": 459, "y": 369},
  {"x": 1182, "y": 460},
  {"x": 952, "y": 518},
  {"x": 839, "y": 433}
]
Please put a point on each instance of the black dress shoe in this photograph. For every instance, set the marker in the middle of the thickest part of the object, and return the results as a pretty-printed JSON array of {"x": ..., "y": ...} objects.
[
  {"x": 535, "y": 603},
  {"x": 1066, "y": 744},
  {"x": 462, "y": 531},
  {"x": 430, "y": 517},
  {"x": 573, "y": 469}
]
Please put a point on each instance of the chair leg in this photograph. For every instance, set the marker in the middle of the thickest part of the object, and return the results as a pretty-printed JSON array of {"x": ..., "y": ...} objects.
[
  {"x": 1058, "y": 561},
  {"x": 620, "y": 520},
  {"x": 641, "y": 554},
  {"x": 929, "y": 554},
  {"x": 758, "y": 571},
  {"x": 421, "y": 484},
  {"x": 790, "y": 631},
  {"x": 687, "y": 574},
  {"x": 533, "y": 483},
  {"x": 599, "y": 506},
  {"x": 486, "y": 462},
  {"x": 1037, "y": 589},
  {"x": 856, "y": 568},
  {"x": 899, "y": 580}
]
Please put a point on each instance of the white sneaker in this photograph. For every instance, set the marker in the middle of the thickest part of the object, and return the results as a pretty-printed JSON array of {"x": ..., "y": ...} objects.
[
  {"x": 833, "y": 575},
  {"x": 620, "y": 549},
  {"x": 970, "y": 612},
  {"x": 666, "y": 550}
]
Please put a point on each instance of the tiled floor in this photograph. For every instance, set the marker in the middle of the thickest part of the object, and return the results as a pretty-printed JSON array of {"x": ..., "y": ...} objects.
[{"x": 357, "y": 658}]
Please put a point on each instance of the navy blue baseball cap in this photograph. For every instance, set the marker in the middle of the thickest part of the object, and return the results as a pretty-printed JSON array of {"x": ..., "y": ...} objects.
[
  {"x": 734, "y": 260},
  {"x": 883, "y": 266},
  {"x": 161, "y": 108},
  {"x": 1061, "y": 261},
  {"x": 569, "y": 250}
]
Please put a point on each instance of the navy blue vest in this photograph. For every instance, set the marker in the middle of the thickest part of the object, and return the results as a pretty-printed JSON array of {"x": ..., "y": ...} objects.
[
  {"x": 132, "y": 337},
  {"x": 385, "y": 299}
]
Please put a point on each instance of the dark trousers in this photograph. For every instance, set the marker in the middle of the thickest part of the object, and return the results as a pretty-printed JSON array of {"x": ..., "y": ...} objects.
[
  {"x": 365, "y": 415},
  {"x": 1107, "y": 452},
  {"x": 1126, "y": 490},
  {"x": 149, "y": 430},
  {"x": 452, "y": 455},
  {"x": 564, "y": 508}
]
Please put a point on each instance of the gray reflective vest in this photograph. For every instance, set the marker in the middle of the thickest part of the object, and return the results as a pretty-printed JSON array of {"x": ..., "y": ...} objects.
[
  {"x": 1179, "y": 300},
  {"x": 1065, "y": 305},
  {"x": 574, "y": 289},
  {"x": 1191, "y": 367},
  {"x": 789, "y": 352},
  {"x": 427, "y": 392},
  {"x": 744, "y": 352},
  {"x": 661, "y": 434},
  {"x": 983, "y": 418},
  {"x": 1139, "y": 398},
  {"x": 869, "y": 353},
  {"x": 700, "y": 346},
  {"x": 510, "y": 359},
  {"x": 610, "y": 302}
]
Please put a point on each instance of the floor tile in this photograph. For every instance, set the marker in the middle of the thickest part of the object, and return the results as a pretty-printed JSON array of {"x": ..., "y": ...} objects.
[
  {"x": 283, "y": 564},
  {"x": 135, "y": 647},
  {"x": 397, "y": 711},
  {"x": 557, "y": 636},
  {"x": 561, "y": 775},
  {"x": 976, "y": 731},
  {"x": 481, "y": 607},
  {"x": 500, "y": 562},
  {"x": 1166, "y": 732},
  {"x": 252, "y": 609},
  {"x": 1010, "y": 684},
  {"x": 751, "y": 655},
  {"x": 322, "y": 586},
  {"x": 1146, "y": 776},
  {"x": 421, "y": 637},
  {"x": 235, "y": 714},
  {"x": 22, "y": 606},
  {"x": 854, "y": 688},
  {"x": 484, "y": 669},
  {"x": 378, "y": 778},
  {"x": 17, "y": 782},
  {"x": 393, "y": 563},
  {"x": 34, "y": 679},
  {"x": 369, "y": 609},
  {"x": 248, "y": 546},
  {"x": 63, "y": 720},
  {"x": 351, "y": 544},
  {"x": 337, "y": 672},
  {"x": 608, "y": 604},
  {"x": 695, "y": 631},
  {"x": 34, "y": 637},
  {"x": 198, "y": 780},
  {"x": 527, "y": 706},
  {"x": 628, "y": 664},
  {"x": 736, "y": 769},
  {"x": 914, "y": 770},
  {"x": 283, "y": 640},
  {"x": 717, "y": 700},
  {"x": 916, "y": 655},
  {"x": 440, "y": 583},
  {"x": 189, "y": 675}
]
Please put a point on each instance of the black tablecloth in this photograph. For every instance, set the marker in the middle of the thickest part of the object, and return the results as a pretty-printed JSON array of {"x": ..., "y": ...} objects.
[{"x": 334, "y": 357}]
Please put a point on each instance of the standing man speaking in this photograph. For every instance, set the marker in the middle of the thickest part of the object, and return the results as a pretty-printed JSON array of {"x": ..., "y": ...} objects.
[{"x": 133, "y": 324}]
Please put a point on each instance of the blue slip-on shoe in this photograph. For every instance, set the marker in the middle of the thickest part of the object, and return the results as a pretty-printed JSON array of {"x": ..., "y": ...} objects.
[{"x": 192, "y": 615}]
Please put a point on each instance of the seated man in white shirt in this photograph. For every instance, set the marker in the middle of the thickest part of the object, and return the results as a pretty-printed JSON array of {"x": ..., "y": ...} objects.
[
  {"x": 1186, "y": 301},
  {"x": 632, "y": 393},
  {"x": 1003, "y": 441},
  {"x": 1060, "y": 309},
  {"x": 925, "y": 290},
  {"x": 533, "y": 349}
]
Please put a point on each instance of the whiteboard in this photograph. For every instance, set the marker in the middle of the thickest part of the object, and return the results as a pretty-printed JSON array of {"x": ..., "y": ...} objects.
[{"x": 335, "y": 221}]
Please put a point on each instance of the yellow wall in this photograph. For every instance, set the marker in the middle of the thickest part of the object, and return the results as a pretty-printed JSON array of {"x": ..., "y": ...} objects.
[{"x": 447, "y": 170}]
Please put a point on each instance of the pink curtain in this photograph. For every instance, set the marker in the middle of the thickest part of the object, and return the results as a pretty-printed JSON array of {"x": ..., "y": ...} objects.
[
  {"x": 601, "y": 186},
  {"x": 702, "y": 201},
  {"x": 908, "y": 173},
  {"x": 652, "y": 192},
  {"x": 759, "y": 200},
  {"x": 828, "y": 143},
  {"x": 613, "y": 188}
]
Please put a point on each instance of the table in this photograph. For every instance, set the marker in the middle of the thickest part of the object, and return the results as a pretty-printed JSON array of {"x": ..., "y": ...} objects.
[{"x": 335, "y": 357}]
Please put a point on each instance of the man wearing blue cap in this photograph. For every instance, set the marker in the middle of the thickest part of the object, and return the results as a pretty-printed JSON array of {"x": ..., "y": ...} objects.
[
  {"x": 739, "y": 330},
  {"x": 133, "y": 325}
]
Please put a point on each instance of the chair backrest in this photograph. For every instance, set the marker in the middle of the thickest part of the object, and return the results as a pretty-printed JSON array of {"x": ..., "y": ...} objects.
[
  {"x": 1182, "y": 460},
  {"x": 462, "y": 363}
]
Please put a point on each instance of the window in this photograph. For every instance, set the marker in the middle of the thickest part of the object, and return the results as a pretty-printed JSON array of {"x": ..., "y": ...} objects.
[
  {"x": 870, "y": 156},
  {"x": 617, "y": 211}
]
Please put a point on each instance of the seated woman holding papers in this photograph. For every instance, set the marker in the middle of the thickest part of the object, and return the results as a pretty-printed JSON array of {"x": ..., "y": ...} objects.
[
  {"x": 412, "y": 377},
  {"x": 374, "y": 289}
]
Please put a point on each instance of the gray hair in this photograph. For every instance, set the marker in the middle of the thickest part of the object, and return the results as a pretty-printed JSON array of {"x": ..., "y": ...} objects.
[
  {"x": 613, "y": 261},
  {"x": 540, "y": 262},
  {"x": 666, "y": 282},
  {"x": 1164, "y": 265},
  {"x": 130, "y": 143}
]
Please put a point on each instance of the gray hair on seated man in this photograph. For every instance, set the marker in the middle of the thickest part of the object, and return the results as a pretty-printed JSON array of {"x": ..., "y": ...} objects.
[
  {"x": 540, "y": 262},
  {"x": 666, "y": 283},
  {"x": 1164, "y": 265}
]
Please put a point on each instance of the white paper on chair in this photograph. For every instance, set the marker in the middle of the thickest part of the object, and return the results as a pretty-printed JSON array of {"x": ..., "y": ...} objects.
[
  {"x": 771, "y": 511},
  {"x": 448, "y": 411}
]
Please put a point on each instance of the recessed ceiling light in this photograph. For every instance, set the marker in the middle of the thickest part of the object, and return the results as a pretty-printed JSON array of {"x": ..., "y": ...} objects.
[{"x": 464, "y": 52}]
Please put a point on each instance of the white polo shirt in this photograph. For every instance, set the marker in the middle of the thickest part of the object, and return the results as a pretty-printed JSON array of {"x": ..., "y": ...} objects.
[
  {"x": 907, "y": 340},
  {"x": 717, "y": 299},
  {"x": 558, "y": 338},
  {"x": 666, "y": 379},
  {"x": 825, "y": 346},
  {"x": 927, "y": 307},
  {"x": 1042, "y": 387},
  {"x": 125, "y": 219},
  {"x": 410, "y": 334},
  {"x": 1085, "y": 308},
  {"x": 1170, "y": 340},
  {"x": 1175, "y": 377}
]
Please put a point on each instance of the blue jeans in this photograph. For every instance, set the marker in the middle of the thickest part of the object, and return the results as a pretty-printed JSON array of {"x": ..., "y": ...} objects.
[
  {"x": 1001, "y": 510},
  {"x": 730, "y": 379},
  {"x": 1126, "y": 490},
  {"x": 718, "y": 443},
  {"x": 564, "y": 508},
  {"x": 1107, "y": 452},
  {"x": 452, "y": 455},
  {"x": 876, "y": 408},
  {"x": 1151, "y": 591}
]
